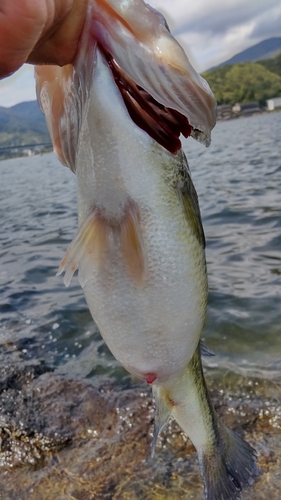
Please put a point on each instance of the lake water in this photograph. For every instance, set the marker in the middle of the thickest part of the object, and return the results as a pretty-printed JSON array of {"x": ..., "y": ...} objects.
[{"x": 238, "y": 180}]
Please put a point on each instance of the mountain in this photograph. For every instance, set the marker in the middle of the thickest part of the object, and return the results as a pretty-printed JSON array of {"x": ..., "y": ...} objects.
[
  {"x": 29, "y": 111},
  {"x": 22, "y": 124},
  {"x": 263, "y": 50},
  {"x": 23, "y": 117}
]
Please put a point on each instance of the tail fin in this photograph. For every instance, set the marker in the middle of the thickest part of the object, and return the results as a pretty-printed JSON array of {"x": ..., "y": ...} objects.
[
  {"x": 227, "y": 462},
  {"x": 229, "y": 469}
]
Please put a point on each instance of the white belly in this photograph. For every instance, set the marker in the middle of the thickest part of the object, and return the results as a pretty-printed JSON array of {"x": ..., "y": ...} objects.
[
  {"x": 153, "y": 330},
  {"x": 154, "y": 327}
]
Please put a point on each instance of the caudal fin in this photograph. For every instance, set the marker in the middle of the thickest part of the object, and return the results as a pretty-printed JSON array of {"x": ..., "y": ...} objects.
[{"x": 229, "y": 469}]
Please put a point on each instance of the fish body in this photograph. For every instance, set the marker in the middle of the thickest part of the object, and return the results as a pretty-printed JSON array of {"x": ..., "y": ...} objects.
[
  {"x": 150, "y": 307},
  {"x": 115, "y": 118}
]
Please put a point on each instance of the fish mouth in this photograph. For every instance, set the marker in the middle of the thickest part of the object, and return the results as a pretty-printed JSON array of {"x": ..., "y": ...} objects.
[{"x": 163, "y": 124}]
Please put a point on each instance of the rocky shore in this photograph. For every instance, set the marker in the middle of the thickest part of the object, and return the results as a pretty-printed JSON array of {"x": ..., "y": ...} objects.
[{"x": 67, "y": 439}]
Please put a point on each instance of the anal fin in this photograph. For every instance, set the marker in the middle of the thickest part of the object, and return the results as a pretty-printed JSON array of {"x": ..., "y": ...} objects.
[{"x": 163, "y": 410}]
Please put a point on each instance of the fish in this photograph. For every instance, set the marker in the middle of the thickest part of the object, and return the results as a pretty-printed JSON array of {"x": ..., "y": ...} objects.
[{"x": 116, "y": 116}]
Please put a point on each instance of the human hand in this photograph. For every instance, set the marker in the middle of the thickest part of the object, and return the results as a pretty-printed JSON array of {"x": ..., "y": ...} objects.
[{"x": 39, "y": 32}]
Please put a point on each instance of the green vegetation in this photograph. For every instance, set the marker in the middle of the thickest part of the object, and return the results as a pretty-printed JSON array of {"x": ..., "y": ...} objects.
[
  {"x": 246, "y": 82},
  {"x": 273, "y": 65}
]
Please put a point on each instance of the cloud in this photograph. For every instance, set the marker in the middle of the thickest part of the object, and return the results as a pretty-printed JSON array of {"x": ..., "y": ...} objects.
[
  {"x": 268, "y": 24},
  {"x": 215, "y": 17},
  {"x": 215, "y": 31},
  {"x": 18, "y": 87}
]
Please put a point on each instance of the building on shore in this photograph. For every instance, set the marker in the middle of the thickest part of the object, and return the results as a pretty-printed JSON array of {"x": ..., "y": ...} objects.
[
  {"x": 273, "y": 103},
  {"x": 246, "y": 108},
  {"x": 224, "y": 111}
]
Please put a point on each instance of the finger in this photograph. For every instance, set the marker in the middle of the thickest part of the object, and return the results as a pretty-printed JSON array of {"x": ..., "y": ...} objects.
[
  {"x": 22, "y": 24},
  {"x": 59, "y": 44}
]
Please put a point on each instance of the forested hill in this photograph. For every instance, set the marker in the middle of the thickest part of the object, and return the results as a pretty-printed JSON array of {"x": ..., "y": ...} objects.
[
  {"x": 245, "y": 82},
  {"x": 22, "y": 124},
  {"x": 273, "y": 65}
]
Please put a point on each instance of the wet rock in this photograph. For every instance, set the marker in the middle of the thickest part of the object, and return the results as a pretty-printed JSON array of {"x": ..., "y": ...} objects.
[{"x": 69, "y": 440}]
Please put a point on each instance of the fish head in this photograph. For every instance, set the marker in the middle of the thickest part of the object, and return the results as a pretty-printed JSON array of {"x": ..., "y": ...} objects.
[
  {"x": 138, "y": 38},
  {"x": 162, "y": 91}
]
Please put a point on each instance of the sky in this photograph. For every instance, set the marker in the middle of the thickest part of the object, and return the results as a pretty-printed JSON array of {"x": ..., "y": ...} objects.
[{"x": 211, "y": 32}]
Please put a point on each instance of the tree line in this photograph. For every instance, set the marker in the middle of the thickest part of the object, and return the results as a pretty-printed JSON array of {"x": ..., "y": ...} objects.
[{"x": 246, "y": 82}]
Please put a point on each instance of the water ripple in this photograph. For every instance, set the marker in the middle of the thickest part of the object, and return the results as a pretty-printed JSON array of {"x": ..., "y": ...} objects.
[{"x": 238, "y": 180}]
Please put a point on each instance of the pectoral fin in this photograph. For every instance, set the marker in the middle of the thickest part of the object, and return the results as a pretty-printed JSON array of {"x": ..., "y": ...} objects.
[
  {"x": 131, "y": 244},
  {"x": 89, "y": 249}
]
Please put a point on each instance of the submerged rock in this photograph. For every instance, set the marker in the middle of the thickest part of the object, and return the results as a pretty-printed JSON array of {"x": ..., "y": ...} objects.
[{"x": 69, "y": 440}]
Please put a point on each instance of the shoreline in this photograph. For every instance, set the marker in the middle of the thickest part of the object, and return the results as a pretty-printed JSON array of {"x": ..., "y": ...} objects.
[
  {"x": 235, "y": 116},
  {"x": 49, "y": 149},
  {"x": 62, "y": 437}
]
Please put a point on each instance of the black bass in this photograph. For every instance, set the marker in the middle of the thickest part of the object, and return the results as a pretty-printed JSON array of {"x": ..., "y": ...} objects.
[{"x": 115, "y": 117}]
